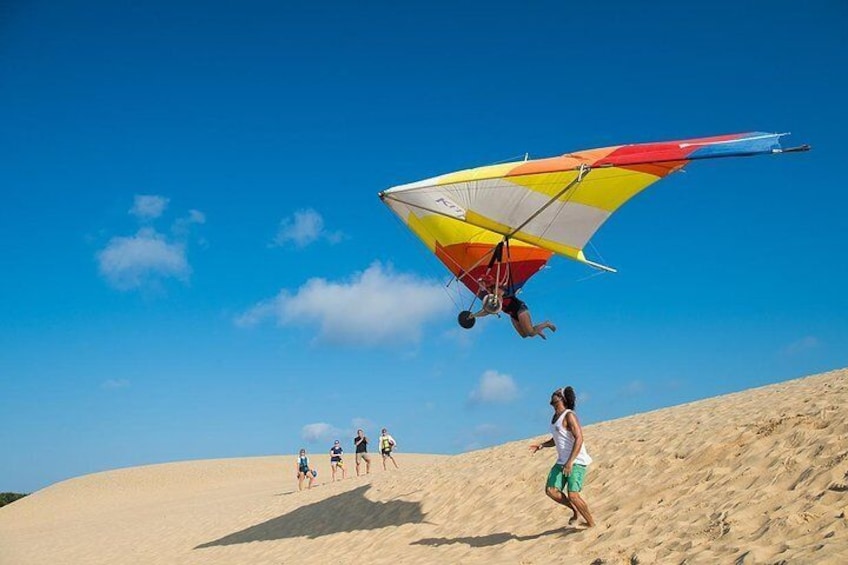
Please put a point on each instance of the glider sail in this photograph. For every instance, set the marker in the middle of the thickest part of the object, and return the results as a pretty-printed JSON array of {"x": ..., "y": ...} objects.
[{"x": 546, "y": 206}]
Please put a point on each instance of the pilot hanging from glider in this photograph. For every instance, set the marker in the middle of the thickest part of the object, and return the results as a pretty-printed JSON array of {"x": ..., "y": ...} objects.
[
  {"x": 519, "y": 313},
  {"x": 497, "y": 294}
]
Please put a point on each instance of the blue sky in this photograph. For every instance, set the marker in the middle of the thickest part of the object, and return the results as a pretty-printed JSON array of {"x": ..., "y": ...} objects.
[{"x": 196, "y": 263}]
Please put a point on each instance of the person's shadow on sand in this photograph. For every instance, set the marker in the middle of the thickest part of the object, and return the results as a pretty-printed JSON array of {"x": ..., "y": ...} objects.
[
  {"x": 493, "y": 539},
  {"x": 345, "y": 512}
]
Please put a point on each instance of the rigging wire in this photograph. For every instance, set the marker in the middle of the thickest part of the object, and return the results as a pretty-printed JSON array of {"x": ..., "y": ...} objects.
[{"x": 597, "y": 252}]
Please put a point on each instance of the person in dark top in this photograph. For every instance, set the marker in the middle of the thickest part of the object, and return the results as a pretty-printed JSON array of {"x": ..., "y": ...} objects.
[
  {"x": 517, "y": 309},
  {"x": 361, "y": 443},
  {"x": 336, "y": 459}
]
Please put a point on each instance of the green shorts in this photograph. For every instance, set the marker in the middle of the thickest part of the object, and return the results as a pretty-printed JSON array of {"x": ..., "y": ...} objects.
[{"x": 574, "y": 481}]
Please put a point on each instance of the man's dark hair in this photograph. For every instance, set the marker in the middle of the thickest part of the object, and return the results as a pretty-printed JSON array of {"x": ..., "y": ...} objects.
[{"x": 569, "y": 397}]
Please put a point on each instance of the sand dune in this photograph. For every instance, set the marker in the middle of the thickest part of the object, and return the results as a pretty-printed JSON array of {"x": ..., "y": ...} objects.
[{"x": 759, "y": 476}]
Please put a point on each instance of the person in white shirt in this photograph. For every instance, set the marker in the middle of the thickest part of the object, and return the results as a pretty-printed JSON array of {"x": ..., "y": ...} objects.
[
  {"x": 387, "y": 444},
  {"x": 568, "y": 472}
]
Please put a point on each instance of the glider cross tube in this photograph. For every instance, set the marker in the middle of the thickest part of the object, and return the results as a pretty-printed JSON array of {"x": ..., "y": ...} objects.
[{"x": 583, "y": 170}]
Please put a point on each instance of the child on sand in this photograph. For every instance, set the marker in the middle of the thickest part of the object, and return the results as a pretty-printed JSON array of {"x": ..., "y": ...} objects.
[{"x": 304, "y": 471}]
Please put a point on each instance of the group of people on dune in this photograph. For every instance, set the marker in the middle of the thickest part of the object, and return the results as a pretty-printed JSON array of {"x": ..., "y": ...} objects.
[
  {"x": 305, "y": 472},
  {"x": 565, "y": 479}
]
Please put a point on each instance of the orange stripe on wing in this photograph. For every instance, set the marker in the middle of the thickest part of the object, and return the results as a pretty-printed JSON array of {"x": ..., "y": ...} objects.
[{"x": 566, "y": 162}]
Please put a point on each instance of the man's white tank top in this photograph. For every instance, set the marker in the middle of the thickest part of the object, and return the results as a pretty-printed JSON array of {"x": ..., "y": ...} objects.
[{"x": 564, "y": 441}]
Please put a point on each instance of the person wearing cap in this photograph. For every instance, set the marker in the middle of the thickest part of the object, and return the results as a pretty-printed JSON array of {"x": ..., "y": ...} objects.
[
  {"x": 336, "y": 459},
  {"x": 565, "y": 480},
  {"x": 361, "y": 444},
  {"x": 387, "y": 444},
  {"x": 516, "y": 308}
]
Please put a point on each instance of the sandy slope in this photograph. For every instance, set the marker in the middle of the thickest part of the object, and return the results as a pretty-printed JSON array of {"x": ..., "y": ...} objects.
[{"x": 755, "y": 477}]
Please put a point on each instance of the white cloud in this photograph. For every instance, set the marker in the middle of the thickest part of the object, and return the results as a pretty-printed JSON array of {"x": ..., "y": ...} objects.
[
  {"x": 494, "y": 387},
  {"x": 803, "y": 345},
  {"x": 182, "y": 226},
  {"x": 303, "y": 228},
  {"x": 323, "y": 431},
  {"x": 112, "y": 384},
  {"x": 149, "y": 256},
  {"x": 319, "y": 431},
  {"x": 131, "y": 262},
  {"x": 373, "y": 307},
  {"x": 259, "y": 313},
  {"x": 148, "y": 206},
  {"x": 363, "y": 424}
]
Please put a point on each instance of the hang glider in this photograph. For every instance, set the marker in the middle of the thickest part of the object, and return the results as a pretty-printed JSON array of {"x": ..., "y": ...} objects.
[{"x": 542, "y": 207}]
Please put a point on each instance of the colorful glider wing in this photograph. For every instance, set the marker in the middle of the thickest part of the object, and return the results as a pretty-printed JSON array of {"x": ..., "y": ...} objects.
[{"x": 546, "y": 206}]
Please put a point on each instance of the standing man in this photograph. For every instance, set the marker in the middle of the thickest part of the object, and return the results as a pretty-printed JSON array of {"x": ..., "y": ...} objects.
[
  {"x": 361, "y": 443},
  {"x": 568, "y": 472},
  {"x": 387, "y": 443}
]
